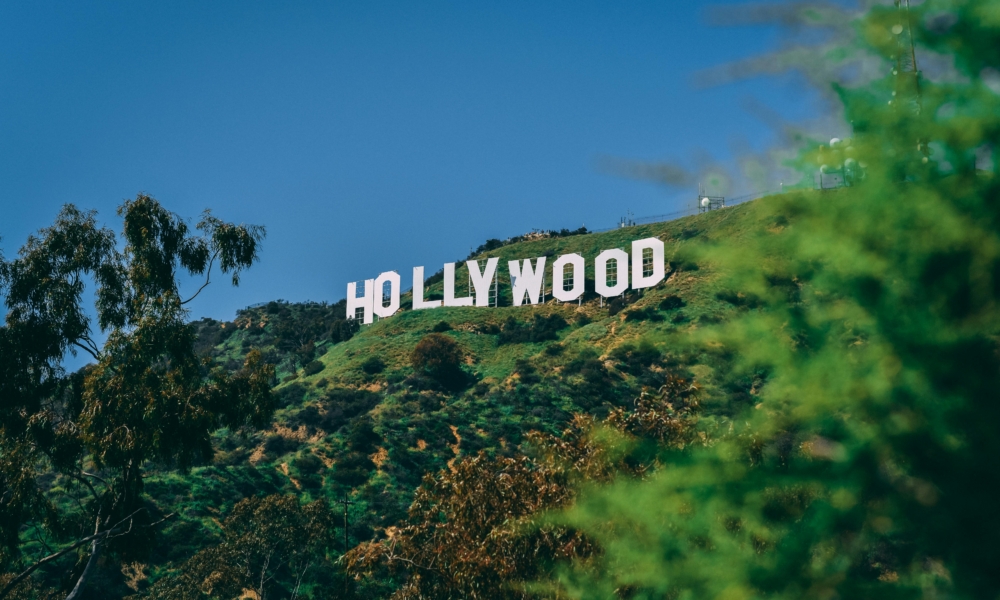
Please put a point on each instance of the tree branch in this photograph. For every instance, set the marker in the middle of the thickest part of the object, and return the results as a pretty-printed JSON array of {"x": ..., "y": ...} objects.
[
  {"x": 97, "y": 477},
  {"x": 90, "y": 538},
  {"x": 95, "y": 550},
  {"x": 87, "y": 349},
  {"x": 208, "y": 280},
  {"x": 17, "y": 580},
  {"x": 83, "y": 480}
]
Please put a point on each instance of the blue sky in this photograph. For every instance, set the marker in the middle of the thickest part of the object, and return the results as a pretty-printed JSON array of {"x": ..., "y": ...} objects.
[{"x": 365, "y": 136}]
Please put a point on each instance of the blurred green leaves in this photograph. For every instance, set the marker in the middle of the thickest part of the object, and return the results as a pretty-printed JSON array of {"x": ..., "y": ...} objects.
[{"x": 867, "y": 466}]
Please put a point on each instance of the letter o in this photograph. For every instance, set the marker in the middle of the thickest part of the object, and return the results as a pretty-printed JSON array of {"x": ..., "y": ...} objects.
[
  {"x": 601, "y": 272},
  {"x": 558, "y": 267},
  {"x": 386, "y": 311}
]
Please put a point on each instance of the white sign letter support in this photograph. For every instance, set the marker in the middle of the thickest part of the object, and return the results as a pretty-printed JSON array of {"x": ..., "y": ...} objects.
[
  {"x": 418, "y": 291},
  {"x": 449, "y": 288},
  {"x": 366, "y": 302},
  {"x": 558, "y": 267},
  {"x": 639, "y": 280},
  {"x": 526, "y": 280},
  {"x": 393, "y": 278},
  {"x": 601, "y": 272},
  {"x": 482, "y": 281}
]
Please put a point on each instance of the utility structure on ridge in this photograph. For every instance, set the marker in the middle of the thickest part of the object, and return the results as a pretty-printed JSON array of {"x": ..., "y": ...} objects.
[{"x": 707, "y": 203}]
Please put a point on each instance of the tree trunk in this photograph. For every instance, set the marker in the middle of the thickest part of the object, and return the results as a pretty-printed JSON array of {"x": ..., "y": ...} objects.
[{"x": 95, "y": 550}]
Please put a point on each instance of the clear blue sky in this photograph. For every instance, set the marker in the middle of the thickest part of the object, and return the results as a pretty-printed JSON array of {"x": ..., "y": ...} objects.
[{"x": 366, "y": 136}]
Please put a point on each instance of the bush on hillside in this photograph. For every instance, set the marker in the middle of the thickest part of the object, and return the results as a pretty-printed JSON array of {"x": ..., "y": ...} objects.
[
  {"x": 352, "y": 469},
  {"x": 643, "y": 314},
  {"x": 526, "y": 372},
  {"x": 635, "y": 360},
  {"x": 555, "y": 349},
  {"x": 541, "y": 329},
  {"x": 441, "y": 327},
  {"x": 437, "y": 362},
  {"x": 340, "y": 405},
  {"x": 277, "y": 445},
  {"x": 373, "y": 365},
  {"x": 307, "y": 463},
  {"x": 436, "y": 354},
  {"x": 313, "y": 367},
  {"x": 672, "y": 302},
  {"x": 362, "y": 436},
  {"x": 291, "y": 394}
]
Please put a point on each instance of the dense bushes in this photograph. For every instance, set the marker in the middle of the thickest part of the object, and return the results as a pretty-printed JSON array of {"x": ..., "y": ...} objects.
[
  {"x": 270, "y": 547},
  {"x": 340, "y": 405},
  {"x": 672, "y": 302},
  {"x": 313, "y": 367},
  {"x": 441, "y": 327},
  {"x": 541, "y": 329},
  {"x": 373, "y": 365}
]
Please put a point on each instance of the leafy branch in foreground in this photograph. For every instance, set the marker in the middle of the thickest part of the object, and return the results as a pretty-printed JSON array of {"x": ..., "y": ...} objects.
[{"x": 867, "y": 468}]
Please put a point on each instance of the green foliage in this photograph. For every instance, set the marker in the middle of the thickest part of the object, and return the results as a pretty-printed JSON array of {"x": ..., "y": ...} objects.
[
  {"x": 312, "y": 368},
  {"x": 274, "y": 547},
  {"x": 542, "y": 328},
  {"x": 440, "y": 357},
  {"x": 441, "y": 327},
  {"x": 149, "y": 397},
  {"x": 469, "y": 532},
  {"x": 863, "y": 466},
  {"x": 671, "y": 302},
  {"x": 373, "y": 365}
]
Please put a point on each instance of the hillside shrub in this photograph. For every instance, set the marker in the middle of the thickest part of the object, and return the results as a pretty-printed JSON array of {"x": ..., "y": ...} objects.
[
  {"x": 278, "y": 445},
  {"x": 672, "y": 302},
  {"x": 555, "y": 349},
  {"x": 526, "y": 372},
  {"x": 270, "y": 547},
  {"x": 635, "y": 360},
  {"x": 352, "y": 469},
  {"x": 307, "y": 463},
  {"x": 441, "y": 327},
  {"x": 643, "y": 314},
  {"x": 542, "y": 328},
  {"x": 340, "y": 405},
  {"x": 618, "y": 303},
  {"x": 291, "y": 394},
  {"x": 313, "y": 367},
  {"x": 739, "y": 299},
  {"x": 362, "y": 436},
  {"x": 440, "y": 357},
  {"x": 373, "y": 365}
]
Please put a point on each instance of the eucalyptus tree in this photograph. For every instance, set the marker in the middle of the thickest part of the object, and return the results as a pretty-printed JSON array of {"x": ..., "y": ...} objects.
[
  {"x": 272, "y": 547},
  {"x": 147, "y": 396}
]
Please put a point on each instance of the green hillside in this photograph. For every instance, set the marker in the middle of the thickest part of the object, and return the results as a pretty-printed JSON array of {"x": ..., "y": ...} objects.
[{"x": 357, "y": 420}]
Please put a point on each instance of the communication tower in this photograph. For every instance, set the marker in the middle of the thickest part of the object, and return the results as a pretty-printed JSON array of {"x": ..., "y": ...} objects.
[
  {"x": 628, "y": 220},
  {"x": 707, "y": 203}
]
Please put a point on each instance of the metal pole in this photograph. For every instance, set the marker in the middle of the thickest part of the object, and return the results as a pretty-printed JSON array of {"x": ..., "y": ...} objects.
[{"x": 345, "y": 502}]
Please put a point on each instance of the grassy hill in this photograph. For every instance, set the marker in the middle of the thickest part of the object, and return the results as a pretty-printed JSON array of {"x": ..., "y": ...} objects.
[{"x": 356, "y": 420}]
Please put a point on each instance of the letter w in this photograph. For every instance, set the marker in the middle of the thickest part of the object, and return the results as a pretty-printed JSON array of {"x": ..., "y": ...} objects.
[{"x": 526, "y": 280}]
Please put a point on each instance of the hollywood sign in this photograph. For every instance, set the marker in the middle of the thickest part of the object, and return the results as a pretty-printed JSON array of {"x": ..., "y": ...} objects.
[{"x": 527, "y": 280}]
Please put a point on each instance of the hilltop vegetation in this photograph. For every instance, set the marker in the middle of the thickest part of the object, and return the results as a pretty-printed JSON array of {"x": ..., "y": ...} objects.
[{"x": 358, "y": 418}]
